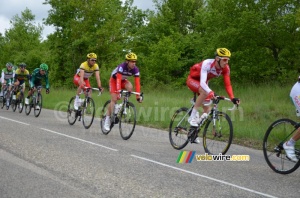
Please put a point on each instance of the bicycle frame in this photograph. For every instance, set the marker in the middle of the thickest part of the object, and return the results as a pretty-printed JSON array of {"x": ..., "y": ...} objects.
[
  {"x": 180, "y": 131},
  {"x": 83, "y": 112},
  {"x": 125, "y": 116}
]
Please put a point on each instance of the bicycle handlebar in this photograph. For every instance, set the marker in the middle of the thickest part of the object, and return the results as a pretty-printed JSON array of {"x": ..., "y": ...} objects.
[
  {"x": 96, "y": 89},
  {"x": 215, "y": 98},
  {"x": 131, "y": 92}
]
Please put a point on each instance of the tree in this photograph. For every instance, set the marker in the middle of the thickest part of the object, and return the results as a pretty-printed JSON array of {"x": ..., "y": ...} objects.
[{"x": 21, "y": 40}]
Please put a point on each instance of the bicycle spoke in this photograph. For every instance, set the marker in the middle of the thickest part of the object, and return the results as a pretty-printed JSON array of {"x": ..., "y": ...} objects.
[
  {"x": 88, "y": 113},
  {"x": 178, "y": 129},
  {"x": 38, "y": 104},
  {"x": 217, "y": 138},
  {"x": 71, "y": 112},
  {"x": 127, "y": 121},
  {"x": 275, "y": 156}
]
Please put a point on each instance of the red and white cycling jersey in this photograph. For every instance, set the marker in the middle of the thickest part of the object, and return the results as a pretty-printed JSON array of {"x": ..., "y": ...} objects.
[{"x": 206, "y": 70}]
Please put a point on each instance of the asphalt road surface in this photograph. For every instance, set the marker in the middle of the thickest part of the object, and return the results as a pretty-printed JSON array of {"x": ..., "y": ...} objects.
[{"x": 47, "y": 157}]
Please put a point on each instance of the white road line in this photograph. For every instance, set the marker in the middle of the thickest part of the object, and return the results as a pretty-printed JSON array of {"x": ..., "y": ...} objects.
[
  {"x": 14, "y": 120},
  {"x": 75, "y": 138},
  {"x": 206, "y": 177}
]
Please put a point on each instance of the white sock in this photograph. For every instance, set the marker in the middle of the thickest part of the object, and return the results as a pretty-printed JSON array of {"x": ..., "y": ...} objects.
[
  {"x": 291, "y": 142},
  {"x": 193, "y": 114}
]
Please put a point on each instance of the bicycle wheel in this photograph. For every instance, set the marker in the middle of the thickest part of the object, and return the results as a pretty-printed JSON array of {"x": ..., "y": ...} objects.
[
  {"x": 217, "y": 138},
  {"x": 28, "y": 106},
  {"x": 127, "y": 120},
  {"x": 72, "y": 113},
  {"x": 8, "y": 99},
  {"x": 14, "y": 103},
  {"x": 38, "y": 104},
  {"x": 4, "y": 98},
  {"x": 103, "y": 117},
  {"x": 178, "y": 129},
  {"x": 88, "y": 112},
  {"x": 21, "y": 103},
  {"x": 279, "y": 132}
]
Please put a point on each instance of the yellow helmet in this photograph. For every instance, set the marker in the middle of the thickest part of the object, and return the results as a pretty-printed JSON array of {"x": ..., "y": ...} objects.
[
  {"x": 223, "y": 52},
  {"x": 91, "y": 55},
  {"x": 131, "y": 56}
]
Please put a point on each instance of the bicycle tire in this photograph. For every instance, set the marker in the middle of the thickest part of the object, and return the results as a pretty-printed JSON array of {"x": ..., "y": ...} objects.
[
  {"x": 4, "y": 98},
  {"x": 127, "y": 120},
  {"x": 71, "y": 112},
  {"x": 14, "y": 106},
  {"x": 217, "y": 139},
  {"x": 178, "y": 129},
  {"x": 38, "y": 102},
  {"x": 28, "y": 106},
  {"x": 13, "y": 103},
  {"x": 279, "y": 132},
  {"x": 88, "y": 112},
  {"x": 21, "y": 102},
  {"x": 103, "y": 117},
  {"x": 8, "y": 95}
]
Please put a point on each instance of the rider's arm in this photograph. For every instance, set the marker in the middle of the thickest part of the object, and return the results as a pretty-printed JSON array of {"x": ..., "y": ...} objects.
[
  {"x": 227, "y": 82},
  {"x": 203, "y": 78},
  {"x": 137, "y": 85},
  {"x": 97, "y": 74},
  {"x": 32, "y": 79},
  {"x": 47, "y": 81}
]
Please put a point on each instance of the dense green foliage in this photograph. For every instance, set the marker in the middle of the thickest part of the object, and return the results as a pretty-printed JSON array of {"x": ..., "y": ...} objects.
[{"x": 263, "y": 36}]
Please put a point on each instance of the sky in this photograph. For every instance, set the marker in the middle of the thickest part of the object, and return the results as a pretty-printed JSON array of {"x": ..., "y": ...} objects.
[{"x": 11, "y": 8}]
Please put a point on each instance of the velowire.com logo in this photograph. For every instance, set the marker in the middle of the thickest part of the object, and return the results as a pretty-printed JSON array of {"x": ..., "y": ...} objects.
[{"x": 188, "y": 156}]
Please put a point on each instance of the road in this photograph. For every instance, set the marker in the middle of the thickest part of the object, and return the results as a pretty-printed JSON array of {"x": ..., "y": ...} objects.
[{"x": 46, "y": 157}]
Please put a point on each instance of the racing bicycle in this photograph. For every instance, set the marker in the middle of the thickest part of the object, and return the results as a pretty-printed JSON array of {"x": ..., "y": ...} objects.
[
  {"x": 19, "y": 101},
  {"x": 86, "y": 111},
  {"x": 125, "y": 116},
  {"x": 35, "y": 102},
  {"x": 217, "y": 128},
  {"x": 276, "y": 135},
  {"x": 6, "y": 97}
]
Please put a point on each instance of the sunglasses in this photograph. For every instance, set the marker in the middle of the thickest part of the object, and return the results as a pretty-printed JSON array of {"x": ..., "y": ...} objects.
[
  {"x": 93, "y": 59},
  {"x": 224, "y": 59}
]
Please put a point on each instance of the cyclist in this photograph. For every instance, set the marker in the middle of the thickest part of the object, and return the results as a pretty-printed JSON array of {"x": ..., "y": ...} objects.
[
  {"x": 20, "y": 75},
  {"x": 198, "y": 78},
  {"x": 85, "y": 71},
  {"x": 289, "y": 146},
  {"x": 118, "y": 81},
  {"x": 7, "y": 78},
  {"x": 36, "y": 80}
]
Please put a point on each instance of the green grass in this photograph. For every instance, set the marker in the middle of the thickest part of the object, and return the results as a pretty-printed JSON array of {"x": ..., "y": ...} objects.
[{"x": 260, "y": 106}]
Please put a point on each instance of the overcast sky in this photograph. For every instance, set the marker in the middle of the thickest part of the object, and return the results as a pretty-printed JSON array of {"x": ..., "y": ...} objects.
[{"x": 10, "y": 8}]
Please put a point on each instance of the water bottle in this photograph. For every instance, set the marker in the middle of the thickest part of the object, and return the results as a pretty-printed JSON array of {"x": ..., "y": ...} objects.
[
  {"x": 297, "y": 113},
  {"x": 117, "y": 108},
  {"x": 14, "y": 97}
]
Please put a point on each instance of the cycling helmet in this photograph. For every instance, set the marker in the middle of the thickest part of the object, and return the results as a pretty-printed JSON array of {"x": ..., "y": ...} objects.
[
  {"x": 9, "y": 65},
  {"x": 22, "y": 65},
  {"x": 91, "y": 55},
  {"x": 223, "y": 52},
  {"x": 131, "y": 57},
  {"x": 44, "y": 67}
]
